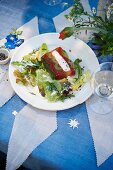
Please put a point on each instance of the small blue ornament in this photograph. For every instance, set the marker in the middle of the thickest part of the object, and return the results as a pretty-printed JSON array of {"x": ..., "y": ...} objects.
[
  {"x": 12, "y": 38},
  {"x": 10, "y": 45},
  {"x": 18, "y": 42},
  {"x": 96, "y": 47}
]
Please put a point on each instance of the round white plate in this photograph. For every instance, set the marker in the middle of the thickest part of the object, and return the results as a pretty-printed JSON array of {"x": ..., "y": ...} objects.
[{"x": 75, "y": 48}]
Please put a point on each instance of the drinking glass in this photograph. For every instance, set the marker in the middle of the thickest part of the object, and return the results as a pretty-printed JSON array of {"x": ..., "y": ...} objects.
[
  {"x": 52, "y": 2},
  {"x": 102, "y": 84}
]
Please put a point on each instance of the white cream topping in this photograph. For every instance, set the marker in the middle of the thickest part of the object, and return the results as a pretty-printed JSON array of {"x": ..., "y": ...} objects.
[{"x": 63, "y": 64}]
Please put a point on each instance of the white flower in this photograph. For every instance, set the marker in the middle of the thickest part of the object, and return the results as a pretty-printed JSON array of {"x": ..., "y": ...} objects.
[
  {"x": 108, "y": 14},
  {"x": 73, "y": 123},
  {"x": 111, "y": 5},
  {"x": 94, "y": 10}
]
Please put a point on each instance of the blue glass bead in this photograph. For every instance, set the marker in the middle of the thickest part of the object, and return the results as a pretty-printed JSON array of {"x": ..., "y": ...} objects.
[
  {"x": 96, "y": 47},
  {"x": 18, "y": 42},
  {"x": 12, "y": 38},
  {"x": 10, "y": 45}
]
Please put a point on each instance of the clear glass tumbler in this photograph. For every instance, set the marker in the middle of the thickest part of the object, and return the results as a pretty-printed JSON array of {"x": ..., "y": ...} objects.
[{"x": 102, "y": 84}]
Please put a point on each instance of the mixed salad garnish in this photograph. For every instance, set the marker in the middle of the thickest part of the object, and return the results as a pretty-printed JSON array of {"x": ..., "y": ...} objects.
[{"x": 55, "y": 75}]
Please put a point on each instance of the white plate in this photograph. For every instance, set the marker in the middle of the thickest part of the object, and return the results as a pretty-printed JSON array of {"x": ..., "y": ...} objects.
[{"x": 75, "y": 48}]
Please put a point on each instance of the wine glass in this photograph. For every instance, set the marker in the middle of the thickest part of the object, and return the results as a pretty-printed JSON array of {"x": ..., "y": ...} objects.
[
  {"x": 52, "y": 2},
  {"x": 102, "y": 83}
]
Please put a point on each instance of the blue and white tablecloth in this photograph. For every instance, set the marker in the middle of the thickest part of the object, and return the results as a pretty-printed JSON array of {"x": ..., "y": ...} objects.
[{"x": 66, "y": 148}]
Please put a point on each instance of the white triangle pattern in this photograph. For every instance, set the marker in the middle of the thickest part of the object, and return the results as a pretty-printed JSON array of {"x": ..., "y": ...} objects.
[{"x": 31, "y": 127}]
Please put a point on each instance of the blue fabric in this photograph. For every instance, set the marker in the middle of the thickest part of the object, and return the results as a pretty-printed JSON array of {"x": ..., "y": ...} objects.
[
  {"x": 65, "y": 149},
  {"x": 16, "y": 13},
  {"x": 93, "y": 3}
]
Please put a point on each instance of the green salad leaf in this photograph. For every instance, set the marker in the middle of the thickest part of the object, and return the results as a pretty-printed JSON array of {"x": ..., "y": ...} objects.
[
  {"x": 53, "y": 90},
  {"x": 78, "y": 68},
  {"x": 46, "y": 85},
  {"x": 43, "y": 50}
]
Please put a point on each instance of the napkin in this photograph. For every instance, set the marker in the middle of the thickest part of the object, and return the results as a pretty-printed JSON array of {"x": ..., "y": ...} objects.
[
  {"x": 29, "y": 29},
  {"x": 102, "y": 133},
  {"x": 31, "y": 127}
]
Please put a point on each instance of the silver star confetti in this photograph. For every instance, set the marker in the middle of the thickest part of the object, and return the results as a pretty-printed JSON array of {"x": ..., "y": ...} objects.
[{"x": 73, "y": 123}]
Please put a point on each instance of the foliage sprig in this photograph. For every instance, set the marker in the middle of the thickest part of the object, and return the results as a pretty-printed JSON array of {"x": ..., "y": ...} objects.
[{"x": 102, "y": 27}]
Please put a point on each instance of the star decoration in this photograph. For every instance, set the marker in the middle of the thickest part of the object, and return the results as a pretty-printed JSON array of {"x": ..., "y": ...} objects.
[
  {"x": 14, "y": 113},
  {"x": 73, "y": 123}
]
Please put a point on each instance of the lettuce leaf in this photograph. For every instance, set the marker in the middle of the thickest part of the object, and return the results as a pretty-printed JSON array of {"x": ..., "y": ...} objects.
[
  {"x": 82, "y": 80},
  {"x": 53, "y": 90}
]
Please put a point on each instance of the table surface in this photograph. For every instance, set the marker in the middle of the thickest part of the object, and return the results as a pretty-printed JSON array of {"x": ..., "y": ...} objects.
[{"x": 66, "y": 148}]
